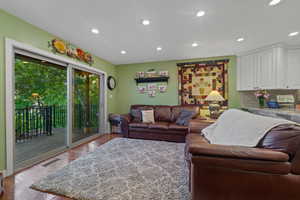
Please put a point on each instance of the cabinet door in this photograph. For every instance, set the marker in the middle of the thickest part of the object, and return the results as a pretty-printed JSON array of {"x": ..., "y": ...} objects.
[
  {"x": 246, "y": 73},
  {"x": 267, "y": 76},
  {"x": 256, "y": 71},
  {"x": 293, "y": 72}
]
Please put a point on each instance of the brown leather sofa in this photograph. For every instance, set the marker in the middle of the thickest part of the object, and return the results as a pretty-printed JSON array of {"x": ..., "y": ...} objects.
[
  {"x": 164, "y": 127},
  {"x": 271, "y": 171}
]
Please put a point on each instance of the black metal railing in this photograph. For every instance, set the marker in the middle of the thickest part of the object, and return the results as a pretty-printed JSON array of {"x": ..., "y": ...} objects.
[
  {"x": 84, "y": 118},
  {"x": 40, "y": 120},
  {"x": 59, "y": 116},
  {"x": 33, "y": 121}
]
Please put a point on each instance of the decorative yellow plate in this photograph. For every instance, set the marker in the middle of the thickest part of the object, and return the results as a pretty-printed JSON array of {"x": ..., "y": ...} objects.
[{"x": 59, "y": 46}]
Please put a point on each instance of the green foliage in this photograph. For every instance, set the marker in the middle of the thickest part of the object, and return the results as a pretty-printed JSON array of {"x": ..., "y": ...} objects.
[
  {"x": 48, "y": 81},
  {"x": 84, "y": 81}
]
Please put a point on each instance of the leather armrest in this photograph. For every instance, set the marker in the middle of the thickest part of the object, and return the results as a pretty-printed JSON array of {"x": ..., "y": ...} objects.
[
  {"x": 125, "y": 119},
  {"x": 232, "y": 164},
  {"x": 237, "y": 152},
  {"x": 237, "y": 158},
  {"x": 196, "y": 125}
]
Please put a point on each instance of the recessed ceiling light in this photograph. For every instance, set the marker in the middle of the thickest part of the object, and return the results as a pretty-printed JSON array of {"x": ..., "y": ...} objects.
[
  {"x": 274, "y": 2},
  {"x": 158, "y": 48},
  {"x": 123, "y": 52},
  {"x": 195, "y": 44},
  {"x": 95, "y": 31},
  {"x": 294, "y": 34},
  {"x": 240, "y": 39},
  {"x": 200, "y": 13},
  {"x": 146, "y": 22}
]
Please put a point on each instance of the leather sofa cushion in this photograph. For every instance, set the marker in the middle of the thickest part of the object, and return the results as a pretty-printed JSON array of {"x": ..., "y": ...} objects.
[
  {"x": 159, "y": 125},
  {"x": 138, "y": 125},
  {"x": 136, "y": 113},
  {"x": 283, "y": 138},
  {"x": 142, "y": 107},
  {"x": 163, "y": 113},
  {"x": 185, "y": 117},
  {"x": 176, "y": 110},
  {"x": 178, "y": 127}
]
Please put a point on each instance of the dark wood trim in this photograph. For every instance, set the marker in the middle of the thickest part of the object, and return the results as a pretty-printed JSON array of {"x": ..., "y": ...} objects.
[{"x": 152, "y": 79}]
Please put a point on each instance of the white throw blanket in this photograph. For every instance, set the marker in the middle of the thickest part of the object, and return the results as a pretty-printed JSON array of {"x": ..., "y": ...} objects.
[{"x": 236, "y": 127}]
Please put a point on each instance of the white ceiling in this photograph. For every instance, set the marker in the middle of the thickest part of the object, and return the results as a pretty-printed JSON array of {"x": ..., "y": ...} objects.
[{"x": 174, "y": 26}]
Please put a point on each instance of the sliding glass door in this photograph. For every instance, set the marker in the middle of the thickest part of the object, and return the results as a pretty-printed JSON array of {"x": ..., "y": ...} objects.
[
  {"x": 40, "y": 108},
  {"x": 56, "y": 105},
  {"x": 86, "y": 104}
]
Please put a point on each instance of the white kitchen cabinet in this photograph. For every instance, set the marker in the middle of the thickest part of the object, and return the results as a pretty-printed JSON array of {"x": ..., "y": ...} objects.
[
  {"x": 267, "y": 73},
  {"x": 262, "y": 69},
  {"x": 293, "y": 69},
  {"x": 247, "y": 70}
]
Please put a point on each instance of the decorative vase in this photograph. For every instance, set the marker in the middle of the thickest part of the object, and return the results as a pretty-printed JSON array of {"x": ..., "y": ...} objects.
[{"x": 261, "y": 101}]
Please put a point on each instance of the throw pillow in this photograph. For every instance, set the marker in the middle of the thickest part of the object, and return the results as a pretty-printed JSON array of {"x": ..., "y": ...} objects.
[
  {"x": 185, "y": 117},
  {"x": 136, "y": 115},
  {"x": 148, "y": 116}
]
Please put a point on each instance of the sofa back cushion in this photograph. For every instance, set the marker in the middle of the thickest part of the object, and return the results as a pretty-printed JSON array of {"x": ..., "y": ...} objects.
[
  {"x": 176, "y": 110},
  {"x": 135, "y": 112},
  {"x": 163, "y": 113},
  {"x": 283, "y": 138},
  {"x": 185, "y": 117}
]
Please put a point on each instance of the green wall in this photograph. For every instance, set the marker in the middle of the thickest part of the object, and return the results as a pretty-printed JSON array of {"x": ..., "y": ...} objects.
[
  {"x": 17, "y": 29},
  {"x": 127, "y": 87}
]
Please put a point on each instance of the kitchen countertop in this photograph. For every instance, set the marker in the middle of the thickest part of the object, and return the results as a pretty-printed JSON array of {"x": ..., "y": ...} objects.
[{"x": 286, "y": 113}]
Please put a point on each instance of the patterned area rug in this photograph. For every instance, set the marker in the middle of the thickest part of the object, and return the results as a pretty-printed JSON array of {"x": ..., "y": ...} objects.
[{"x": 123, "y": 169}]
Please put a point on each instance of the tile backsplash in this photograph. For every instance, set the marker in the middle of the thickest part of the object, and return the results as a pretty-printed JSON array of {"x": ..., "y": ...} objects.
[{"x": 249, "y": 100}]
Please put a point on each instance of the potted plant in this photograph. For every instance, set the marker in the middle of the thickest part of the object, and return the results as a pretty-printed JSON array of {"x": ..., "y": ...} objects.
[{"x": 261, "y": 95}]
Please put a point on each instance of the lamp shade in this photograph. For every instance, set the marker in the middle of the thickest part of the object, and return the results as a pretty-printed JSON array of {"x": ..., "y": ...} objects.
[{"x": 214, "y": 96}]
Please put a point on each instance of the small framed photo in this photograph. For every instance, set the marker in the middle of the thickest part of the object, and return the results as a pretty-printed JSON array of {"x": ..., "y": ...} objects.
[
  {"x": 142, "y": 89},
  {"x": 152, "y": 86},
  {"x": 151, "y": 74},
  {"x": 164, "y": 73},
  {"x": 162, "y": 88},
  {"x": 140, "y": 74},
  {"x": 152, "y": 93}
]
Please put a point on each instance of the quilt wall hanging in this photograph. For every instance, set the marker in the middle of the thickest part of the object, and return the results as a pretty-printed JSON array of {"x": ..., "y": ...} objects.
[{"x": 198, "y": 79}]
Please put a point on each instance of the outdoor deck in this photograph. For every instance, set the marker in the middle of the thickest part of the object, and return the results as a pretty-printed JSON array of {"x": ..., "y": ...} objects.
[{"x": 38, "y": 145}]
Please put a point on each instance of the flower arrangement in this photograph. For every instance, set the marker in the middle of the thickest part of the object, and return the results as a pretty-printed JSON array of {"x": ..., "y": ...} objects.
[{"x": 262, "y": 95}]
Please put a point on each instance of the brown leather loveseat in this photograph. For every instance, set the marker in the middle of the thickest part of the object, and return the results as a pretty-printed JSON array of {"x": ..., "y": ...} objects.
[
  {"x": 164, "y": 127},
  {"x": 271, "y": 171}
]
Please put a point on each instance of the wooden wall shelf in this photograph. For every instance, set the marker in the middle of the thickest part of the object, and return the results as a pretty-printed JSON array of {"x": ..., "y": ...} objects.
[{"x": 151, "y": 79}]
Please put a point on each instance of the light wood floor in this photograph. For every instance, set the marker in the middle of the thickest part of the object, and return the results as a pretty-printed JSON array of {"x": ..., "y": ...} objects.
[{"x": 16, "y": 187}]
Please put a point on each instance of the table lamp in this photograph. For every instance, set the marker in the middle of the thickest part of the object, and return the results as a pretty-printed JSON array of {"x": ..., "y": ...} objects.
[{"x": 214, "y": 107}]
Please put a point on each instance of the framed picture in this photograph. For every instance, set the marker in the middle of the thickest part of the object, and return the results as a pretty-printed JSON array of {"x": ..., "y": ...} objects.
[
  {"x": 162, "y": 88},
  {"x": 152, "y": 93},
  {"x": 152, "y": 86},
  {"x": 164, "y": 73},
  {"x": 142, "y": 89},
  {"x": 151, "y": 74},
  {"x": 140, "y": 74}
]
